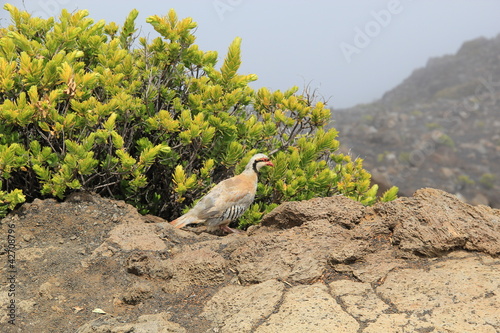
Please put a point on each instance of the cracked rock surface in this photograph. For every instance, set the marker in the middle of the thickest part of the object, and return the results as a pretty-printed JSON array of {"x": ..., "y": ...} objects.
[{"x": 428, "y": 263}]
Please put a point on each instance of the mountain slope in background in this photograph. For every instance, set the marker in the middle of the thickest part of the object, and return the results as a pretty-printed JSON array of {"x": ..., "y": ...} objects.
[{"x": 440, "y": 127}]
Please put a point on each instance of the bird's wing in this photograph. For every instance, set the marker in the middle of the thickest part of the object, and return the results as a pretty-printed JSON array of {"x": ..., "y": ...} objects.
[{"x": 230, "y": 192}]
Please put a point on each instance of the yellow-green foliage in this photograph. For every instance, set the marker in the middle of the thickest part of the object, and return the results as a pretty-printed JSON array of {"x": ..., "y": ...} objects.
[
  {"x": 84, "y": 105},
  {"x": 487, "y": 180}
]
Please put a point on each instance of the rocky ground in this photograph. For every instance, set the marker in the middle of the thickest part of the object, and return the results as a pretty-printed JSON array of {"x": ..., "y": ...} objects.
[{"x": 428, "y": 263}]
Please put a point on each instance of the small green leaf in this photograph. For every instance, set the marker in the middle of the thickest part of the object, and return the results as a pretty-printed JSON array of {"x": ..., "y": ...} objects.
[{"x": 109, "y": 125}]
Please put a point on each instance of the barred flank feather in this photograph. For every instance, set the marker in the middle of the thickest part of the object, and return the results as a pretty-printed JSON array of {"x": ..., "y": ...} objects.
[{"x": 233, "y": 213}]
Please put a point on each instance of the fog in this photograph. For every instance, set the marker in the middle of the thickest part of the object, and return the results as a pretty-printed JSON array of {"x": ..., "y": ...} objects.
[{"x": 350, "y": 52}]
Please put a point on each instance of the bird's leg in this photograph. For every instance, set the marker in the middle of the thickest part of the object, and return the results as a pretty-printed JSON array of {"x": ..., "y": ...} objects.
[{"x": 226, "y": 228}]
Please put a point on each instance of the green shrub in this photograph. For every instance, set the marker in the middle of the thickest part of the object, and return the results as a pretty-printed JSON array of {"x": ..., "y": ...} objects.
[
  {"x": 84, "y": 105},
  {"x": 464, "y": 180},
  {"x": 487, "y": 180},
  {"x": 404, "y": 157},
  {"x": 433, "y": 126},
  {"x": 445, "y": 140}
]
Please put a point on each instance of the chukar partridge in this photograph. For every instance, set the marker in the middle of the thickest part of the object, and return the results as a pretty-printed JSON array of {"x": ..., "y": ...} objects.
[{"x": 228, "y": 200}]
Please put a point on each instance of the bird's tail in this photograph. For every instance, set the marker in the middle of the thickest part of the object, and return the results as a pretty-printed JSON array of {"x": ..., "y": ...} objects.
[{"x": 184, "y": 220}]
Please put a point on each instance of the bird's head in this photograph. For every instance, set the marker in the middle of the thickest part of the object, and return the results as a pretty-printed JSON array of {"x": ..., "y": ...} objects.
[{"x": 258, "y": 161}]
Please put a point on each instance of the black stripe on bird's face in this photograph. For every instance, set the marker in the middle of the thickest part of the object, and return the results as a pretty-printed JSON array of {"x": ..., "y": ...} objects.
[{"x": 259, "y": 160}]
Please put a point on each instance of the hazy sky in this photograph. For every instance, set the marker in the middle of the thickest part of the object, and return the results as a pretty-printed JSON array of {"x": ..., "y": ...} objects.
[{"x": 351, "y": 51}]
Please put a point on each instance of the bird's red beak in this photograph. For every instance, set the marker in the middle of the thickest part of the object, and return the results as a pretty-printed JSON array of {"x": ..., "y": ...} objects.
[{"x": 269, "y": 163}]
